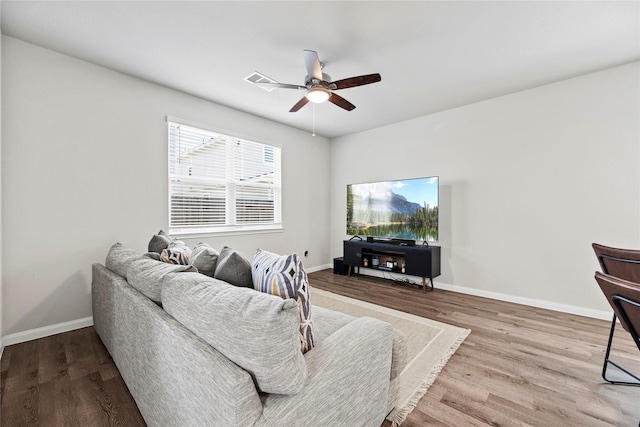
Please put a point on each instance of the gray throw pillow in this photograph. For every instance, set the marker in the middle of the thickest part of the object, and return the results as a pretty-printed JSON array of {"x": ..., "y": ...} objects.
[
  {"x": 233, "y": 268},
  {"x": 205, "y": 259},
  {"x": 159, "y": 242}
]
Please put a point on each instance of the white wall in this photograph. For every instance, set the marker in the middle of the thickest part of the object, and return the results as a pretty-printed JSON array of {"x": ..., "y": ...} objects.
[
  {"x": 527, "y": 182},
  {"x": 1, "y": 306},
  {"x": 84, "y": 165}
]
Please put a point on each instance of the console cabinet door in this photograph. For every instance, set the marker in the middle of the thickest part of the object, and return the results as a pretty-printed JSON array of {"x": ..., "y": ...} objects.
[
  {"x": 352, "y": 253},
  {"x": 418, "y": 262}
]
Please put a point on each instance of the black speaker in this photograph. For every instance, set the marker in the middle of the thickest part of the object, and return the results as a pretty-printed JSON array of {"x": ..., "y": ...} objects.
[{"x": 339, "y": 266}]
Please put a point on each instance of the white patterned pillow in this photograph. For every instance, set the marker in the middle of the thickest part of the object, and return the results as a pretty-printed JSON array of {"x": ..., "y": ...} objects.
[
  {"x": 176, "y": 253},
  {"x": 285, "y": 277}
]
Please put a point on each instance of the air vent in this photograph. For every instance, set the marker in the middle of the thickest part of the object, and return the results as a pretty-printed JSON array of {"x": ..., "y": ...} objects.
[{"x": 256, "y": 77}]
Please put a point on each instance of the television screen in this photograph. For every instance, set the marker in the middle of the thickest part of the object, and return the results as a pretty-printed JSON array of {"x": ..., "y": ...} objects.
[{"x": 402, "y": 209}]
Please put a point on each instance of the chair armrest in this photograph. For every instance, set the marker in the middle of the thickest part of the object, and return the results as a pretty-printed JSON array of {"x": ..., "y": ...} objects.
[{"x": 347, "y": 380}]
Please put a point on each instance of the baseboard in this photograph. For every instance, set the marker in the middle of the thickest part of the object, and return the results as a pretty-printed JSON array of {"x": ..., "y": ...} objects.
[
  {"x": 46, "y": 331},
  {"x": 531, "y": 302},
  {"x": 1, "y": 347},
  {"x": 548, "y": 305},
  {"x": 318, "y": 268}
]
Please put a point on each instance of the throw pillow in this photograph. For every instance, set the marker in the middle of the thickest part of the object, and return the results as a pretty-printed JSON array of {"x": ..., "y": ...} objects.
[
  {"x": 233, "y": 268},
  {"x": 159, "y": 242},
  {"x": 176, "y": 253},
  {"x": 205, "y": 259},
  {"x": 284, "y": 276}
]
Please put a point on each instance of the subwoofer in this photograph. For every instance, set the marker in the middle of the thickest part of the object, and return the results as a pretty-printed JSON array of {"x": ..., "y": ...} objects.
[{"x": 339, "y": 266}]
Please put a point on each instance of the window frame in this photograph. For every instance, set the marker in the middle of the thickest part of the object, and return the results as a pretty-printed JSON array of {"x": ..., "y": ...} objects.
[{"x": 228, "y": 228}]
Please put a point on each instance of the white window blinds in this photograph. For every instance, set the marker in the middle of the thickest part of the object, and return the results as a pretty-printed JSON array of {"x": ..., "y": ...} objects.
[{"x": 221, "y": 183}]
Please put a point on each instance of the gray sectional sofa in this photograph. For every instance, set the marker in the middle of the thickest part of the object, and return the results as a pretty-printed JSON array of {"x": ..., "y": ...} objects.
[{"x": 197, "y": 351}]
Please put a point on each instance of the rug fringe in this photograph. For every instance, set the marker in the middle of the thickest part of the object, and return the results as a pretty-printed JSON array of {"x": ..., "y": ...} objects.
[{"x": 403, "y": 412}]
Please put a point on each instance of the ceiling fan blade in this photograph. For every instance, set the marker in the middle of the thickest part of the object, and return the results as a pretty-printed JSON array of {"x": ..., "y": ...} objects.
[
  {"x": 312, "y": 62},
  {"x": 341, "y": 102},
  {"x": 357, "y": 81},
  {"x": 303, "y": 101},
  {"x": 280, "y": 85}
]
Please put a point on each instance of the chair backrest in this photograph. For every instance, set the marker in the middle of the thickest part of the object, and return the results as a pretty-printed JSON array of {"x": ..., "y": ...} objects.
[
  {"x": 621, "y": 263},
  {"x": 624, "y": 298}
]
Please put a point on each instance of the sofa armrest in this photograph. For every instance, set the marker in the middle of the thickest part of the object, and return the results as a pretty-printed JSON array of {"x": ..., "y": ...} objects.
[
  {"x": 347, "y": 382},
  {"x": 175, "y": 377}
]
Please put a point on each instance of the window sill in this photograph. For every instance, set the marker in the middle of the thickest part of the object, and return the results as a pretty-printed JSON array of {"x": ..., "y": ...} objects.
[{"x": 182, "y": 233}]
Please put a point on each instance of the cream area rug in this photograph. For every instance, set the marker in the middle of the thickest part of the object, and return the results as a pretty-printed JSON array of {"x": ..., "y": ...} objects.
[{"x": 430, "y": 344}]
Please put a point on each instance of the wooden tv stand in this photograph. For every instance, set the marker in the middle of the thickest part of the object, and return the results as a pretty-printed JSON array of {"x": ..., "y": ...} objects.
[{"x": 421, "y": 261}]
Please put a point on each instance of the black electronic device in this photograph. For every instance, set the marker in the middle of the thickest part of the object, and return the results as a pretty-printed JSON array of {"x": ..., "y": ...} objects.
[
  {"x": 398, "y": 211},
  {"x": 398, "y": 242},
  {"x": 339, "y": 267}
]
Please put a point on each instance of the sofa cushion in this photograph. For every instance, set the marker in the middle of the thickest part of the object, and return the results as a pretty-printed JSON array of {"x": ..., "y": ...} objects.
[
  {"x": 153, "y": 255},
  {"x": 285, "y": 277},
  {"x": 176, "y": 253},
  {"x": 205, "y": 259},
  {"x": 159, "y": 242},
  {"x": 146, "y": 275},
  {"x": 258, "y": 332},
  {"x": 119, "y": 258},
  {"x": 233, "y": 268}
]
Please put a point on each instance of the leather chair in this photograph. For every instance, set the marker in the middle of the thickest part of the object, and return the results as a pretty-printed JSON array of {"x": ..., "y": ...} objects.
[{"x": 620, "y": 283}]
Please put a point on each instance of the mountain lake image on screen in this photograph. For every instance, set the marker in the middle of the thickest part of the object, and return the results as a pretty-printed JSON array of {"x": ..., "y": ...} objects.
[{"x": 400, "y": 209}]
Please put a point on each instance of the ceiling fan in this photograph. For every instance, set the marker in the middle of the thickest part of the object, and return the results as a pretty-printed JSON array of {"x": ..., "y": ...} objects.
[{"x": 319, "y": 86}]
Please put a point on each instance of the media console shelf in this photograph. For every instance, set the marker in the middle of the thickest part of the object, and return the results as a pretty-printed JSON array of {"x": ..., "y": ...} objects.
[{"x": 421, "y": 261}]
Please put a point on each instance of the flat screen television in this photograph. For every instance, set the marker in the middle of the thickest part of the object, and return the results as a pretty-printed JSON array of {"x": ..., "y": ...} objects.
[{"x": 399, "y": 209}]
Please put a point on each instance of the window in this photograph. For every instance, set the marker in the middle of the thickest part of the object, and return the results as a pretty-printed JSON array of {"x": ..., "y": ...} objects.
[{"x": 221, "y": 183}]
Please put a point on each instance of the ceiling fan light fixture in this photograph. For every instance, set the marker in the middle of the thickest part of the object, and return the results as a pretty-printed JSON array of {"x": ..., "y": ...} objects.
[{"x": 318, "y": 95}]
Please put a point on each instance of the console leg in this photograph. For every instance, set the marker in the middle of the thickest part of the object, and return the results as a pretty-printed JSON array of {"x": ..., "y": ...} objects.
[
  {"x": 349, "y": 272},
  {"x": 429, "y": 288}
]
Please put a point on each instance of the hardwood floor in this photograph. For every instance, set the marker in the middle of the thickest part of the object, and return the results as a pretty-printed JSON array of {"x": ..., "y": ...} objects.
[
  {"x": 66, "y": 380},
  {"x": 520, "y": 366}
]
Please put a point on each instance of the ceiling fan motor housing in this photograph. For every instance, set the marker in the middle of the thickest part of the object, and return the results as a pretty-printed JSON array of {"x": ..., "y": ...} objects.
[{"x": 311, "y": 82}]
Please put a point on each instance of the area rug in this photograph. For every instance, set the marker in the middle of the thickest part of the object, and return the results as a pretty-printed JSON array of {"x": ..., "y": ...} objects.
[{"x": 430, "y": 344}]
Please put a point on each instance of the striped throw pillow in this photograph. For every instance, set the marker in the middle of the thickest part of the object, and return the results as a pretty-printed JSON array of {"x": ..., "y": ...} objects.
[{"x": 284, "y": 276}]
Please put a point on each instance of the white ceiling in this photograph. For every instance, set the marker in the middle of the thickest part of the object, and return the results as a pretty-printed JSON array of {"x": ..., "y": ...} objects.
[{"x": 432, "y": 55}]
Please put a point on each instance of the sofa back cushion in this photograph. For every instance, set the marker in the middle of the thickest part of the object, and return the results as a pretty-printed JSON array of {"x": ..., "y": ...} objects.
[
  {"x": 147, "y": 275},
  {"x": 257, "y": 331},
  {"x": 119, "y": 258}
]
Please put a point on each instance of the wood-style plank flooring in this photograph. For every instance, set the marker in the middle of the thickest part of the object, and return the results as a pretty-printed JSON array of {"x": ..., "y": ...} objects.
[
  {"x": 65, "y": 380},
  {"x": 520, "y": 366}
]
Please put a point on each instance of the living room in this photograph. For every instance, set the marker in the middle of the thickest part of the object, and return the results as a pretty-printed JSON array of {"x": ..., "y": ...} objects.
[{"x": 528, "y": 179}]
